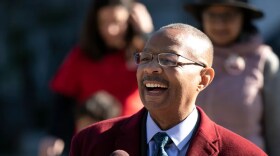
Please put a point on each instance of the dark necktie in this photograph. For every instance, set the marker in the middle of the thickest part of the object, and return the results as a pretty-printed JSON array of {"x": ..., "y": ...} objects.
[{"x": 161, "y": 139}]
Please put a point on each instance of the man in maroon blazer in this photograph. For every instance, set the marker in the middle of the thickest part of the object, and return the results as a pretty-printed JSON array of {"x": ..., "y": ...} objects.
[{"x": 173, "y": 68}]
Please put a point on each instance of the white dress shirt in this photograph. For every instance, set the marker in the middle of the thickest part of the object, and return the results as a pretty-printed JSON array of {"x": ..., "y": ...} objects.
[{"x": 179, "y": 134}]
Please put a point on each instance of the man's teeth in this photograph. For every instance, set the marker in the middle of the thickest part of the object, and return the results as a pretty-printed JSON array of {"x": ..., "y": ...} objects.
[{"x": 153, "y": 85}]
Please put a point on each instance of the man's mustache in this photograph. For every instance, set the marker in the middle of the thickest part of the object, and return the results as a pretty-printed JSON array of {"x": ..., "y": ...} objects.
[{"x": 154, "y": 78}]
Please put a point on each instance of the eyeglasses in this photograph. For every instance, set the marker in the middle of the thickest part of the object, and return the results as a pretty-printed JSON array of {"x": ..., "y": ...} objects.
[{"x": 164, "y": 59}]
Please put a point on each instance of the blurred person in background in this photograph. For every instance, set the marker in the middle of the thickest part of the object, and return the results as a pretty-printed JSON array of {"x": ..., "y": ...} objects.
[
  {"x": 98, "y": 107},
  {"x": 102, "y": 61},
  {"x": 244, "y": 95}
]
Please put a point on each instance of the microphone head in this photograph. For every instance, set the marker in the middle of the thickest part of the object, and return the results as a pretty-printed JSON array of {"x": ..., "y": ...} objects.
[{"x": 119, "y": 153}]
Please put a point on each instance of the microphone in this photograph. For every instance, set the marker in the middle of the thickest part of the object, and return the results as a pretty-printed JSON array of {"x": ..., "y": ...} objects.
[{"x": 119, "y": 153}]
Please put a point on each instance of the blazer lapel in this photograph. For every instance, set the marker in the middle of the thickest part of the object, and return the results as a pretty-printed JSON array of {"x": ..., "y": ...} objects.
[
  {"x": 201, "y": 146},
  {"x": 144, "y": 145},
  {"x": 130, "y": 136},
  {"x": 206, "y": 139}
]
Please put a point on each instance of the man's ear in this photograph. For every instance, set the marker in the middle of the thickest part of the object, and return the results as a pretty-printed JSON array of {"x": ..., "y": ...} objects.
[{"x": 207, "y": 75}]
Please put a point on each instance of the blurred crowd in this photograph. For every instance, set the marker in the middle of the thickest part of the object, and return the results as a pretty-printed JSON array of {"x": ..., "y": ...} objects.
[{"x": 55, "y": 81}]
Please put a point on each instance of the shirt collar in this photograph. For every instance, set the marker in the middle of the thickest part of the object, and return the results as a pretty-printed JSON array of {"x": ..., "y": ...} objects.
[{"x": 180, "y": 134}]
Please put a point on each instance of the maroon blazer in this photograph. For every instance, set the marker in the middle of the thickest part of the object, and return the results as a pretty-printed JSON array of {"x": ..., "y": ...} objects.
[{"x": 129, "y": 134}]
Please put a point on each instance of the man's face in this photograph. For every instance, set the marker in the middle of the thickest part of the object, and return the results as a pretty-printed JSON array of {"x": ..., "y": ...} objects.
[{"x": 171, "y": 89}]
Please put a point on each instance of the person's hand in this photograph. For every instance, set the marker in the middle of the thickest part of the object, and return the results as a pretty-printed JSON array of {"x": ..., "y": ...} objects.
[
  {"x": 51, "y": 146},
  {"x": 141, "y": 18}
]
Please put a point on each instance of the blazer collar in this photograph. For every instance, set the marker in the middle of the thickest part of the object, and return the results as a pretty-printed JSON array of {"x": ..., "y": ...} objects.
[
  {"x": 132, "y": 136},
  {"x": 205, "y": 140}
]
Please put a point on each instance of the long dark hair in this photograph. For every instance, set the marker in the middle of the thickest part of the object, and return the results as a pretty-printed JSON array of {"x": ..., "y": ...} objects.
[{"x": 91, "y": 41}]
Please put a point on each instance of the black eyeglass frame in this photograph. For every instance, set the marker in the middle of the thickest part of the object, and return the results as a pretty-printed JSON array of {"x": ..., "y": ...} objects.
[{"x": 136, "y": 54}]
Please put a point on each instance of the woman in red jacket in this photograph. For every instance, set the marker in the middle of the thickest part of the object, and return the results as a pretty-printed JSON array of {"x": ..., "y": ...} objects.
[{"x": 102, "y": 61}]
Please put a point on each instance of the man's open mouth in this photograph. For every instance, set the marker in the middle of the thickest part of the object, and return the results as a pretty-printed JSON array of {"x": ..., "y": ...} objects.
[{"x": 155, "y": 86}]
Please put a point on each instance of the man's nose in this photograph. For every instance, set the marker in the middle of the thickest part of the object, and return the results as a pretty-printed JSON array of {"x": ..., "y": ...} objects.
[{"x": 153, "y": 66}]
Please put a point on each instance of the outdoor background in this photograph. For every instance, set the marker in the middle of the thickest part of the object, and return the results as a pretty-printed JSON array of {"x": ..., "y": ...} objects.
[{"x": 35, "y": 36}]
